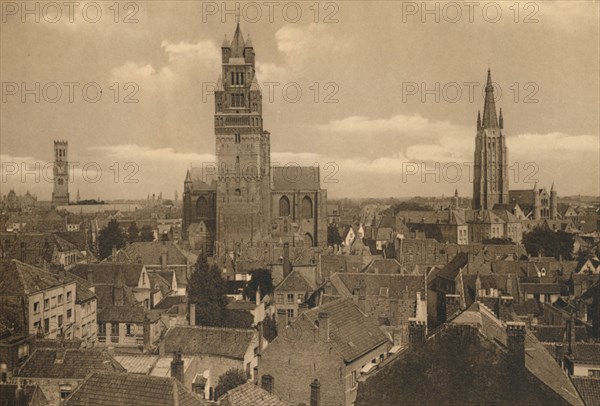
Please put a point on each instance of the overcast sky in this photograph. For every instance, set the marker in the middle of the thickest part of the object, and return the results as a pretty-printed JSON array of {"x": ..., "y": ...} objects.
[{"x": 544, "y": 57}]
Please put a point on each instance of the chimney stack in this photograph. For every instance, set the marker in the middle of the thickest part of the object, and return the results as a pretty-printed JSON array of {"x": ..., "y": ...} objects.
[
  {"x": 315, "y": 393},
  {"x": 452, "y": 306},
  {"x": 177, "y": 366},
  {"x": 416, "y": 333},
  {"x": 515, "y": 331},
  {"x": 259, "y": 327},
  {"x": 113, "y": 256},
  {"x": 571, "y": 332},
  {"x": 147, "y": 334},
  {"x": 504, "y": 306},
  {"x": 323, "y": 326},
  {"x": 192, "y": 314},
  {"x": 287, "y": 265}
]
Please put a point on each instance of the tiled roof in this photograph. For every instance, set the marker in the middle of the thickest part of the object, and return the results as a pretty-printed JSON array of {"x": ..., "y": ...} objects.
[
  {"x": 120, "y": 389},
  {"x": 127, "y": 314},
  {"x": 106, "y": 296},
  {"x": 558, "y": 334},
  {"x": 107, "y": 272},
  {"x": 351, "y": 332},
  {"x": 201, "y": 181},
  {"x": 540, "y": 288},
  {"x": 398, "y": 286},
  {"x": 588, "y": 388},
  {"x": 170, "y": 301},
  {"x": 222, "y": 342},
  {"x": 73, "y": 364},
  {"x": 296, "y": 282},
  {"x": 249, "y": 394},
  {"x": 295, "y": 178},
  {"x": 384, "y": 266},
  {"x": 17, "y": 277},
  {"x": 83, "y": 288},
  {"x": 586, "y": 352},
  {"x": 150, "y": 253}
]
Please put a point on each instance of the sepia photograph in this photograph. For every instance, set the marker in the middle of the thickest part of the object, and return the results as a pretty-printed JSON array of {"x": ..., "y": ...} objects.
[{"x": 299, "y": 203}]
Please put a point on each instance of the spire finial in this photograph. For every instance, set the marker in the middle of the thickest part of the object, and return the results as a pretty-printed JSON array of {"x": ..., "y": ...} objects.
[
  {"x": 489, "y": 107},
  {"x": 237, "y": 13}
]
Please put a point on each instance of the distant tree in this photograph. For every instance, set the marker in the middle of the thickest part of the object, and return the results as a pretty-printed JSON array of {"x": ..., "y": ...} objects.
[
  {"x": 206, "y": 290},
  {"x": 133, "y": 233},
  {"x": 333, "y": 235},
  {"x": 237, "y": 319},
  {"x": 110, "y": 236},
  {"x": 229, "y": 380},
  {"x": 410, "y": 206},
  {"x": 146, "y": 233},
  {"x": 546, "y": 242},
  {"x": 259, "y": 278},
  {"x": 270, "y": 328}
]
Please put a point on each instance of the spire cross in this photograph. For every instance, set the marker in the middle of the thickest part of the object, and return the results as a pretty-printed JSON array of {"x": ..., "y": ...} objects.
[{"x": 237, "y": 13}]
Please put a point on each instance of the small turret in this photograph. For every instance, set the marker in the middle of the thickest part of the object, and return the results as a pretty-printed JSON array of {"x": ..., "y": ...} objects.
[
  {"x": 478, "y": 119},
  {"x": 553, "y": 203},
  {"x": 537, "y": 203},
  {"x": 225, "y": 50},
  {"x": 501, "y": 120}
]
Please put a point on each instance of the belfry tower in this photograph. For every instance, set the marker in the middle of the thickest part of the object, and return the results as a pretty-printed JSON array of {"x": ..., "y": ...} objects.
[
  {"x": 242, "y": 148},
  {"x": 490, "y": 183},
  {"x": 60, "y": 194}
]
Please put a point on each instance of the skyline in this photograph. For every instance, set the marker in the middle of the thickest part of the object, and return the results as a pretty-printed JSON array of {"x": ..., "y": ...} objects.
[{"x": 369, "y": 133}]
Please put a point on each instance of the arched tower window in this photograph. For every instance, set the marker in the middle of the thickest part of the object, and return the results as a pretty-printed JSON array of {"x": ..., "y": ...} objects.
[
  {"x": 202, "y": 209},
  {"x": 284, "y": 206},
  {"x": 307, "y": 209},
  {"x": 308, "y": 240}
]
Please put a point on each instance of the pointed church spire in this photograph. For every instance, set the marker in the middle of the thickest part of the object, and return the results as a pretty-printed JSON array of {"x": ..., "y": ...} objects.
[
  {"x": 237, "y": 44},
  {"x": 478, "y": 119},
  {"x": 489, "y": 107},
  {"x": 552, "y": 187},
  {"x": 501, "y": 120},
  {"x": 225, "y": 43}
]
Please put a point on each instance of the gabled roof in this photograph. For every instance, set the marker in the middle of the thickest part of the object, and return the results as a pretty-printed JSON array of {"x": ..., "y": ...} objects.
[
  {"x": 106, "y": 273},
  {"x": 202, "y": 181},
  {"x": 387, "y": 266},
  {"x": 296, "y": 282},
  {"x": 150, "y": 253},
  {"x": 122, "y": 389},
  {"x": 18, "y": 278},
  {"x": 215, "y": 341},
  {"x": 352, "y": 333},
  {"x": 249, "y": 394},
  {"x": 53, "y": 363},
  {"x": 33, "y": 394},
  {"x": 398, "y": 286},
  {"x": 586, "y": 352},
  {"x": 127, "y": 314}
]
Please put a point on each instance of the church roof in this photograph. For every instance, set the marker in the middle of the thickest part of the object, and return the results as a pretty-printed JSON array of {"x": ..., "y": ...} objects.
[
  {"x": 201, "y": 181},
  {"x": 295, "y": 178}
]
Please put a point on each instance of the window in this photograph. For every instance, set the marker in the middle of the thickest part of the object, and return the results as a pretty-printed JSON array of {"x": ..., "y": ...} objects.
[
  {"x": 69, "y": 313},
  {"x": 46, "y": 304},
  {"x": 290, "y": 315},
  {"x": 60, "y": 299},
  {"x": 129, "y": 330},
  {"x": 290, "y": 298},
  {"x": 594, "y": 372},
  {"x": 36, "y": 307},
  {"x": 300, "y": 297},
  {"x": 383, "y": 291},
  {"x": 69, "y": 298},
  {"x": 202, "y": 209},
  {"x": 65, "y": 391},
  {"x": 23, "y": 351},
  {"x": 353, "y": 380},
  {"x": 101, "y": 329},
  {"x": 279, "y": 298},
  {"x": 46, "y": 325},
  {"x": 307, "y": 209},
  {"x": 284, "y": 206},
  {"x": 60, "y": 320},
  {"x": 53, "y": 301},
  {"x": 267, "y": 383}
]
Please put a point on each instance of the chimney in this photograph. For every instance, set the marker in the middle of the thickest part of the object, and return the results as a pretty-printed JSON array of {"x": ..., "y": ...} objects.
[
  {"x": 163, "y": 256},
  {"x": 416, "y": 333},
  {"x": 267, "y": 383},
  {"x": 287, "y": 265},
  {"x": 571, "y": 332},
  {"x": 147, "y": 334},
  {"x": 3, "y": 373},
  {"x": 452, "y": 306},
  {"x": 323, "y": 326},
  {"x": 504, "y": 307},
  {"x": 113, "y": 256},
  {"x": 192, "y": 314},
  {"x": 177, "y": 366},
  {"x": 515, "y": 331},
  {"x": 315, "y": 393},
  {"x": 259, "y": 327},
  {"x": 118, "y": 289}
]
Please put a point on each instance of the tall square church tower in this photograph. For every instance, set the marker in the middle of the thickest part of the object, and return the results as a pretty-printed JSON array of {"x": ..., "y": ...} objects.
[{"x": 490, "y": 182}]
